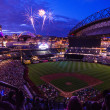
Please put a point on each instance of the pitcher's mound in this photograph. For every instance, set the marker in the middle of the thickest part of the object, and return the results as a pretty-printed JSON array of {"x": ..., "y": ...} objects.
[{"x": 68, "y": 83}]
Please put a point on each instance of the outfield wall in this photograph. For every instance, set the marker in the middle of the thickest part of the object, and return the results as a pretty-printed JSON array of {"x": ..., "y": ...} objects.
[{"x": 74, "y": 56}]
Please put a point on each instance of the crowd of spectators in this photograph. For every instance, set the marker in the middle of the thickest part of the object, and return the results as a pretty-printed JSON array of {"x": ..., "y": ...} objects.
[
  {"x": 17, "y": 101},
  {"x": 49, "y": 91},
  {"x": 99, "y": 59},
  {"x": 75, "y": 103},
  {"x": 3, "y": 57},
  {"x": 106, "y": 60},
  {"x": 87, "y": 94},
  {"x": 10, "y": 55},
  {"x": 89, "y": 58},
  {"x": 11, "y": 72}
]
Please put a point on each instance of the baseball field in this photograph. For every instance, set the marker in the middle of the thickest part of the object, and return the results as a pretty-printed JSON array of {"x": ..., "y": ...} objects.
[{"x": 69, "y": 76}]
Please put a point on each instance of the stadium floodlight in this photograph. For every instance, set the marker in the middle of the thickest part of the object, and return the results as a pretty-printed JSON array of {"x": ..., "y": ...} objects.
[{"x": 43, "y": 46}]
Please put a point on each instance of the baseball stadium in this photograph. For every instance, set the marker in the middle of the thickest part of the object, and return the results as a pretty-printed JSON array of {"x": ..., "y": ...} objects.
[
  {"x": 50, "y": 76},
  {"x": 84, "y": 64}
]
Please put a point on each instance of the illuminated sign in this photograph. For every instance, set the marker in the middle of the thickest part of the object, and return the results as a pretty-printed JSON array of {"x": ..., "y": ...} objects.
[{"x": 43, "y": 46}]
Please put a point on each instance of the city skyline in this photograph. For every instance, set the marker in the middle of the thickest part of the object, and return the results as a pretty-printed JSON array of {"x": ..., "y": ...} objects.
[{"x": 66, "y": 14}]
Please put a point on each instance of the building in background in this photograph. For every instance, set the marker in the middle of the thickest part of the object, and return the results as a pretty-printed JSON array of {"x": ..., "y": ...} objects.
[{"x": 1, "y": 37}]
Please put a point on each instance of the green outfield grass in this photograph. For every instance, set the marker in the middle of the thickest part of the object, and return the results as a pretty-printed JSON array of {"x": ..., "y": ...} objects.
[{"x": 101, "y": 72}]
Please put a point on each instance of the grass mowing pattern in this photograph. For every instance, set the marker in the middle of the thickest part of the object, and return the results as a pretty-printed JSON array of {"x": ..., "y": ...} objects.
[
  {"x": 101, "y": 72},
  {"x": 76, "y": 84}
]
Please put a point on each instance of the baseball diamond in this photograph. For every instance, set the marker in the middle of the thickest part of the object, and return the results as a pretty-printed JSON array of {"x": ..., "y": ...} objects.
[{"x": 78, "y": 74}]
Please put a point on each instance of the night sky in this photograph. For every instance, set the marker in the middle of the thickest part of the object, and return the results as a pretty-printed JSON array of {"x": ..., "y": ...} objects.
[{"x": 66, "y": 14}]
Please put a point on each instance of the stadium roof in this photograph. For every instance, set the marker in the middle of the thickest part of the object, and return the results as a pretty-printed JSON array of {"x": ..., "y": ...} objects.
[{"x": 100, "y": 15}]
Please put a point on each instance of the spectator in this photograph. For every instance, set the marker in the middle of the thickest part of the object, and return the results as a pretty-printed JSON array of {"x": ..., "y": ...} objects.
[
  {"x": 20, "y": 101},
  {"x": 74, "y": 104},
  {"x": 6, "y": 106},
  {"x": 106, "y": 105},
  {"x": 95, "y": 106}
]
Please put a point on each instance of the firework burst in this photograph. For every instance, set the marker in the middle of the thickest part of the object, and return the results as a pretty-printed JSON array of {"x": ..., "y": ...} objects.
[
  {"x": 41, "y": 12},
  {"x": 50, "y": 17},
  {"x": 31, "y": 16},
  {"x": 45, "y": 15}
]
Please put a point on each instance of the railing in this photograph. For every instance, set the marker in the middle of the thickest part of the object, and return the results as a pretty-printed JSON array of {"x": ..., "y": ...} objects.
[{"x": 8, "y": 85}]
